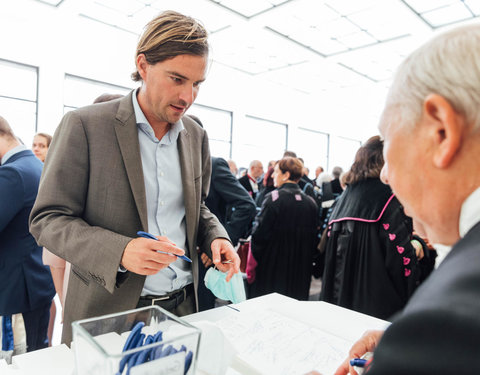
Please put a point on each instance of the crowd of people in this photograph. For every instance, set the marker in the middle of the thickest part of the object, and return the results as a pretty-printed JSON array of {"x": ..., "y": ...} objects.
[{"x": 138, "y": 162}]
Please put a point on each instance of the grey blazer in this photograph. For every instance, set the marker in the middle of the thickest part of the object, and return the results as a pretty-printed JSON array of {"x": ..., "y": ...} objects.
[{"x": 91, "y": 202}]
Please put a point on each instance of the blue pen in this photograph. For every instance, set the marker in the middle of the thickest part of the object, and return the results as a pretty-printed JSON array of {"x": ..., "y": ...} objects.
[
  {"x": 358, "y": 362},
  {"x": 151, "y": 236}
]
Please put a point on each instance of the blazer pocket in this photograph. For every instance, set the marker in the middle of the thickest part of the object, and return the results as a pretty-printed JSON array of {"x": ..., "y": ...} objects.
[{"x": 81, "y": 276}]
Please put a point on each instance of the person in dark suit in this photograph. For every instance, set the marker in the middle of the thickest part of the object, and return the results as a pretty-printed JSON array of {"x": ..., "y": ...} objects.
[
  {"x": 229, "y": 201},
  {"x": 250, "y": 180},
  {"x": 333, "y": 188},
  {"x": 284, "y": 236},
  {"x": 26, "y": 284},
  {"x": 432, "y": 121},
  {"x": 233, "y": 206}
]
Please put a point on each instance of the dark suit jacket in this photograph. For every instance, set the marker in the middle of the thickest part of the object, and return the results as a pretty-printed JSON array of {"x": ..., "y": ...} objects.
[
  {"x": 26, "y": 284},
  {"x": 229, "y": 201},
  {"x": 245, "y": 182},
  {"x": 439, "y": 330},
  {"x": 92, "y": 201}
]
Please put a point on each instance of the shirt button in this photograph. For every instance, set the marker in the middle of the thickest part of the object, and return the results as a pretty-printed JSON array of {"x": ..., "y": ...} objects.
[
  {"x": 162, "y": 203},
  {"x": 161, "y": 174}
]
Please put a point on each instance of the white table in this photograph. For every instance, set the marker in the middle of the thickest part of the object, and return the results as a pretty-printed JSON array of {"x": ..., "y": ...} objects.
[{"x": 338, "y": 325}]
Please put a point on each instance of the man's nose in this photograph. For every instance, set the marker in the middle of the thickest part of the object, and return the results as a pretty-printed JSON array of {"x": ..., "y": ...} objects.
[{"x": 188, "y": 94}]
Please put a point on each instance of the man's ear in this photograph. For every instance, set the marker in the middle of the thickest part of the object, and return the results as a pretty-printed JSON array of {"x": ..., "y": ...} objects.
[
  {"x": 141, "y": 65},
  {"x": 446, "y": 127}
]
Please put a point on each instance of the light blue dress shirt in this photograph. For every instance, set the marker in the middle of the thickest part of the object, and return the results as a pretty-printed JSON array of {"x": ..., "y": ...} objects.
[{"x": 165, "y": 201}]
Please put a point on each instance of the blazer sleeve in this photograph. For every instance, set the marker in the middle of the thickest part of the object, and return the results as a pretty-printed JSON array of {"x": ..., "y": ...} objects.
[
  {"x": 209, "y": 227},
  {"x": 241, "y": 206},
  {"x": 56, "y": 220},
  {"x": 427, "y": 342},
  {"x": 11, "y": 193}
]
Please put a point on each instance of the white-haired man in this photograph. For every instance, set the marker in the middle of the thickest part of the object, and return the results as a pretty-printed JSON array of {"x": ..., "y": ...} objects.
[
  {"x": 250, "y": 180},
  {"x": 432, "y": 120}
]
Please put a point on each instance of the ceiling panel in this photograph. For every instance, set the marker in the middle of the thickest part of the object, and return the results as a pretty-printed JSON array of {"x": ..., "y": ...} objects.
[
  {"x": 474, "y": 6},
  {"x": 255, "y": 50},
  {"x": 315, "y": 77},
  {"x": 447, "y": 15},
  {"x": 378, "y": 62},
  {"x": 308, "y": 45},
  {"x": 124, "y": 7},
  {"x": 132, "y": 15},
  {"x": 51, "y": 2},
  {"x": 248, "y": 8},
  {"x": 422, "y": 6},
  {"x": 388, "y": 20},
  {"x": 331, "y": 27},
  {"x": 444, "y": 12}
]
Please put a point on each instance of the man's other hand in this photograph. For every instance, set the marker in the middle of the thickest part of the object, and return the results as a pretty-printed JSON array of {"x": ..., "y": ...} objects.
[{"x": 225, "y": 257}]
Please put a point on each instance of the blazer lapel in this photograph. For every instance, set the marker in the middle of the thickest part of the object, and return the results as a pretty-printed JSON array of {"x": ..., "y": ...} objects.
[
  {"x": 127, "y": 136},
  {"x": 188, "y": 182}
]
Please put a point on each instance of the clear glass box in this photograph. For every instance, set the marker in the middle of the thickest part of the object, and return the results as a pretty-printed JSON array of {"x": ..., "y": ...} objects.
[{"x": 98, "y": 343}]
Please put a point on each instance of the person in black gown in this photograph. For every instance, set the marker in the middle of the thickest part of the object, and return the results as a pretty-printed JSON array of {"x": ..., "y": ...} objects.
[
  {"x": 371, "y": 264},
  {"x": 284, "y": 236}
]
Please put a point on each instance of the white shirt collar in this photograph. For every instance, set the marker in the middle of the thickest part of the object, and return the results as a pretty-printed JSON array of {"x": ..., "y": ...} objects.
[
  {"x": 469, "y": 216},
  {"x": 470, "y": 213}
]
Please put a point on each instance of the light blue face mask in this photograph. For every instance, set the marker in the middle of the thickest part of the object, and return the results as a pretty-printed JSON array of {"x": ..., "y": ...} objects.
[{"x": 233, "y": 291}]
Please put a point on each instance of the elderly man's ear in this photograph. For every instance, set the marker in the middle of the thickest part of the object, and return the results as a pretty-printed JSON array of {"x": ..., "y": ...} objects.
[{"x": 446, "y": 128}]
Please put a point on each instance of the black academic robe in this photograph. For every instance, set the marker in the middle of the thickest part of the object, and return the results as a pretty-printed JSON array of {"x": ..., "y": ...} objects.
[
  {"x": 370, "y": 264},
  {"x": 283, "y": 243}
]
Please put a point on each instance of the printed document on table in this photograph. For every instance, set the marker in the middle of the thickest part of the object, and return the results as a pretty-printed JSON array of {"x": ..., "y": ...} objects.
[{"x": 276, "y": 344}]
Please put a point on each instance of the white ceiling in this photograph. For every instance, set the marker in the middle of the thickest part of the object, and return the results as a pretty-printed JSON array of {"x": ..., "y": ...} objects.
[{"x": 307, "y": 45}]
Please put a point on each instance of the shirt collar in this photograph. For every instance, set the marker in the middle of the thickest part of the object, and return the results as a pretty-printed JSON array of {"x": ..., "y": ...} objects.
[
  {"x": 470, "y": 213},
  {"x": 143, "y": 124},
  {"x": 12, "y": 152},
  {"x": 469, "y": 216}
]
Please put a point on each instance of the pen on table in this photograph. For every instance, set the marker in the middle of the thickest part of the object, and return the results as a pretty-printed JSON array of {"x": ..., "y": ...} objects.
[
  {"x": 151, "y": 236},
  {"x": 233, "y": 308}
]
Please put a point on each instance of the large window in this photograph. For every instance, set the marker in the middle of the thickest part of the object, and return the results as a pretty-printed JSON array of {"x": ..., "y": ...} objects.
[
  {"x": 218, "y": 124},
  {"x": 342, "y": 152},
  {"x": 313, "y": 147},
  {"x": 80, "y": 91},
  {"x": 19, "y": 97},
  {"x": 259, "y": 139}
]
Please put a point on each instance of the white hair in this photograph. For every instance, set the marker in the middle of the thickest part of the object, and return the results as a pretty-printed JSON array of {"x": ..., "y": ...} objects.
[
  {"x": 255, "y": 163},
  {"x": 447, "y": 65},
  {"x": 323, "y": 177}
]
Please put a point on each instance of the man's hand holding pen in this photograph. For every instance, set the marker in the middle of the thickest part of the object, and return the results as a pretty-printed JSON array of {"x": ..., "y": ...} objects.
[{"x": 146, "y": 256}]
